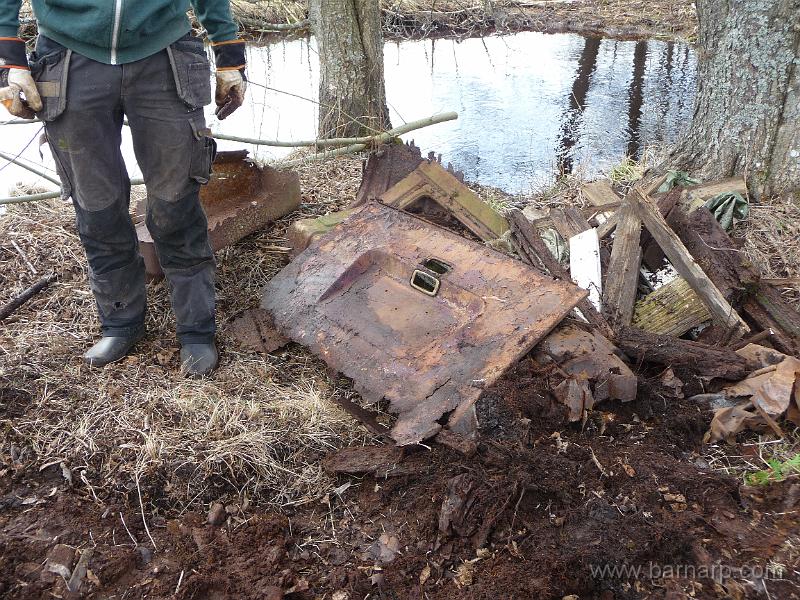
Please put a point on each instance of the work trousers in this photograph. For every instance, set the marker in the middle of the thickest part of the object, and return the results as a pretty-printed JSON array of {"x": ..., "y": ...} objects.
[{"x": 162, "y": 97}]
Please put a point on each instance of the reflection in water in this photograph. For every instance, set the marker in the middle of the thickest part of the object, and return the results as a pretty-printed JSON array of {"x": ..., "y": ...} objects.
[
  {"x": 635, "y": 97},
  {"x": 530, "y": 104},
  {"x": 577, "y": 99}
]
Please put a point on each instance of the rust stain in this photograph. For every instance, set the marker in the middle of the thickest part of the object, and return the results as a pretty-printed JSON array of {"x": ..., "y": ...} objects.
[
  {"x": 348, "y": 298},
  {"x": 240, "y": 199}
]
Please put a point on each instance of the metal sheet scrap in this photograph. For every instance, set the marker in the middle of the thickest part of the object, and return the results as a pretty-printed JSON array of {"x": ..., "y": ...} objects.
[{"x": 414, "y": 313}]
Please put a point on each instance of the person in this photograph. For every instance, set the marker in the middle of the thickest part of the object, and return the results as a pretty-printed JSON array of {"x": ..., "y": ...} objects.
[{"x": 96, "y": 62}]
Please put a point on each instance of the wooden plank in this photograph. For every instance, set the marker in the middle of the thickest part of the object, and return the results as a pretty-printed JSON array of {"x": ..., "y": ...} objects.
[
  {"x": 584, "y": 264},
  {"x": 568, "y": 221},
  {"x": 704, "y": 360},
  {"x": 532, "y": 249},
  {"x": 431, "y": 180},
  {"x": 652, "y": 255},
  {"x": 600, "y": 193},
  {"x": 622, "y": 275},
  {"x": 686, "y": 266},
  {"x": 673, "y": 309},
  {"x": 608, "y": 227},
  {"x": 714, "y": 251}
]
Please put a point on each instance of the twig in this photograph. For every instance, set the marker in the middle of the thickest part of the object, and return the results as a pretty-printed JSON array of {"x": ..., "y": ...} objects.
[
  {"x": 26, "y": 295},
  {"x": 141, "y": 506},
  {"x": 598, "y": 464},
  {"x": 180, "y": 579},
  {"x": 24, "y": 257},
  {"x": 125, "y": 525}
]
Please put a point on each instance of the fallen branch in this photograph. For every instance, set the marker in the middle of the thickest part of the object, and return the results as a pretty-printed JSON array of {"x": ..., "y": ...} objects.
[
  {"x": 35, "y": 170},
  {"x": 373, "y": 140},
  {"x": 29, "y": 293},
  {"x": 707, "y": 361}
]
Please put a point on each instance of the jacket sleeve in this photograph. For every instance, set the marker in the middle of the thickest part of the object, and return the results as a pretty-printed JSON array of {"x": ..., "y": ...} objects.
[
  {"x": 9, "y": 18},
  {"x": 215, "y": 16}
]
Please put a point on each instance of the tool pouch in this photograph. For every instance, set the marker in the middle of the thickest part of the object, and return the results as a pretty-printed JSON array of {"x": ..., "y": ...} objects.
[
  {"x": 50, "y": 70},
  {"x": 192, "y": 71}
]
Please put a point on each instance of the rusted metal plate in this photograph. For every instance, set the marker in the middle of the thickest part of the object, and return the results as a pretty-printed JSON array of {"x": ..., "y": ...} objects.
[
  {"x": 240, "y": 199},
  {"x": 349, "y": 298}
]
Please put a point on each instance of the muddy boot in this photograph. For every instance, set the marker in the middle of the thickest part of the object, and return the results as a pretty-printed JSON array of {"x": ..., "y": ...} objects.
[
  {"x": 198, "y": 359},
  {"x": 111, "y": 349}
]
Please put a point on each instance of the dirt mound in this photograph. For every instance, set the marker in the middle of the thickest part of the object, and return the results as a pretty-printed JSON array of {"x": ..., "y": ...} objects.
[{"x": 542, "y": 510}]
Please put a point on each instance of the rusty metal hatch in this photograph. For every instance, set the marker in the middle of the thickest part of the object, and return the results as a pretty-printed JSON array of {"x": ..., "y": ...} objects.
[{"x": 414, "y": 313}]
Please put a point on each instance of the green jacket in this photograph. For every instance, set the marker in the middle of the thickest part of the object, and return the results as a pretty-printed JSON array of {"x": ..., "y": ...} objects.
[{"x": 119, "y": 31}]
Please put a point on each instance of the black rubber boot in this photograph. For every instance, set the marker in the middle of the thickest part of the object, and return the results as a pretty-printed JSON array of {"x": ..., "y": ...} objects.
[
  {"x": 198, "y": 359},
  {"x": 110, "y": 349}
]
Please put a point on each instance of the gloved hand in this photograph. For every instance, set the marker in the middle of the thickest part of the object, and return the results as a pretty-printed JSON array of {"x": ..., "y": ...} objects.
[
  {"x": 15, "y": 80},
  {"x": 14, "y": 83},
  {"x": 231, "y": 87}
]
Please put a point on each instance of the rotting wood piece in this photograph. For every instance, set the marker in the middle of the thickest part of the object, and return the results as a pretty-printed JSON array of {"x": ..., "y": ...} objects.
[
  {"x": 704, "y": 360},
  {"x": 431, "y": 180},
  {"x": 600, "y": 193},
  {"x": 652, "y": 254},
  {"x": 694, "y": 196},
  {"x": 362, "y": 459},
  {"x": 730, "y": 270},
  {"x": 532, "y": 250},
  {"x": 673, "y": 309},
  {"x": 682, "y": 260},
  {"x": 771, "y": 312},
  {"x": 622, "y": 275},
  {"x": 568, "y": 222},
  {"x": 714, "y": 250},
  {"x": 304, "y": 231}
]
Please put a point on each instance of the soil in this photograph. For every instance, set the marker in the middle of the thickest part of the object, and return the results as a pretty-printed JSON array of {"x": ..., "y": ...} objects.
[{"x": 534, "y": 513}]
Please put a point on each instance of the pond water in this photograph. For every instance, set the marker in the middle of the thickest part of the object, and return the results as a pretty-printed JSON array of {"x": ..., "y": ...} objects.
[{"x": 530, "y": 104}]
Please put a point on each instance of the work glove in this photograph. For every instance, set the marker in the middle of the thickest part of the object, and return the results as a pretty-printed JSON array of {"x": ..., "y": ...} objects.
[
  {"x": 231, "y": 81},
  {"x": 231, "y": 87},
  {"x": 16, "y": 80}
]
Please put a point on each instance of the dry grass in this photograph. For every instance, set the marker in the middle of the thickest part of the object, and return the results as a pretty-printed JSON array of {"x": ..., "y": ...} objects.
[
  {"x": 752, "y": 454},
  {"x": 258, "y": 427},
  {"x": 420, "y": 18},
  {"x": 771, "y": 236}
]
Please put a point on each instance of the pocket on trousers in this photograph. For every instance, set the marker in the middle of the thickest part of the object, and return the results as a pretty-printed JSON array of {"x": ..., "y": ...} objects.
[
  {"x": 51, "y": 74},
  {"x": 192, "y": 72},
  {"x": 204, "y": 150}
]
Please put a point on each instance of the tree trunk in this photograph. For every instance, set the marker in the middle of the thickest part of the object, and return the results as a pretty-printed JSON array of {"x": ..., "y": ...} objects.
[
  {"x": 351, "y": 87},
  {"x": 747, "y": 110}
]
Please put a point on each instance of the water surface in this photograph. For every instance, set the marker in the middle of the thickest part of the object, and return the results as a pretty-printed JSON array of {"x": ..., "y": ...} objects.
[{"x": 531, "y": 105}]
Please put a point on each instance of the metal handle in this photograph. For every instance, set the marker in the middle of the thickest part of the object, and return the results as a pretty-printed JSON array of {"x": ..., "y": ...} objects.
[{"x": 425, "y": 282}]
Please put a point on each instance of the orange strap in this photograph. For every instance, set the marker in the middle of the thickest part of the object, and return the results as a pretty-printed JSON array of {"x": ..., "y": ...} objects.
[{"x": 226, "y": 42}]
